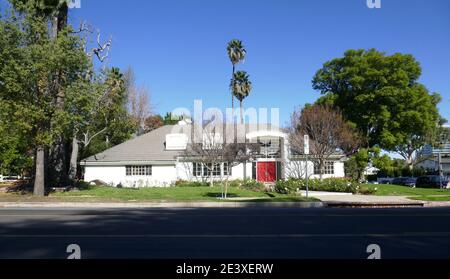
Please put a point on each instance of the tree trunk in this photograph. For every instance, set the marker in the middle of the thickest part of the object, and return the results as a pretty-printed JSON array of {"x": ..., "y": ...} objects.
[
  {"x": 211, "y": 177},
  {"x": 226, "y": 187},
  {"x": 60, "y": 20},
  {"x": 39, "y": 180},
  {"x": 232, "y": 95},
  {"x": 242, "y": 113},
  {"x": 58, "y": 165},
  {"x": 74, "y": 159},
  {"x": 410, "y": 161},
  {"x": 321, "y": 169},
  {"x": 245, "y": 139}
]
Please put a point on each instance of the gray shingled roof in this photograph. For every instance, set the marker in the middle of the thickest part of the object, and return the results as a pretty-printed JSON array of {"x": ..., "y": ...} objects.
[
  {"x": 146, "y": 148},
  {"x": 149, "y": 148}
]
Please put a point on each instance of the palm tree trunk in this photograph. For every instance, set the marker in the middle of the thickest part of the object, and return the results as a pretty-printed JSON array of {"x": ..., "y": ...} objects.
[
  {"x": 242, "y": 113},
  {"x": 245, "y": 139},
  {"x": 39, "y": 180},
  {"x": 232, "y": 80},
  {"x": 232, "y": 95}
]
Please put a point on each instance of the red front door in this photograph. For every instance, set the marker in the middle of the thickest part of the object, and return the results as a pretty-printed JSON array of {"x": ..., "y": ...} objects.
[{"x": 267, "y": 171}]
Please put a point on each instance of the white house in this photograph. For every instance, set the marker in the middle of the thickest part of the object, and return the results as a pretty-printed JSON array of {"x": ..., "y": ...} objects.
[
  {"x": 158, "y": 159},
  {"x": 433, "y": 153}
]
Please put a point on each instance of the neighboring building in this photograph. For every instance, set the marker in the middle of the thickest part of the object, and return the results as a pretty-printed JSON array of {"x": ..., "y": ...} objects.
[
  {"x": 371, "y": 170},
  {"x": 434, "y": 152},
  {"x": 158, "y": 159}
]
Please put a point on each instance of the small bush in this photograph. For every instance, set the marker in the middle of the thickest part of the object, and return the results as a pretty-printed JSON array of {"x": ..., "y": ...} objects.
[
  {"x": 366, "y": 191},
  {"x": 252, "y": 185},
  {"x": 327, "y": 185},
  {"x": 289, "y": 186},
  {"x": 234, "y": 183}
]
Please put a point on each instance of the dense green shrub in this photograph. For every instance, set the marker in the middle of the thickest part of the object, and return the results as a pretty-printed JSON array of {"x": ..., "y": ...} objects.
[
  {"x": 327, "y": 185},
  {"x": 366, "y": 191},
  {"x": 252, "y": 185}
]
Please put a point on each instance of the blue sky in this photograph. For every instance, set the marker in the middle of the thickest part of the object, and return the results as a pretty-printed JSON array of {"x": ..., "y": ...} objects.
[{"x": 178, "y": 47}]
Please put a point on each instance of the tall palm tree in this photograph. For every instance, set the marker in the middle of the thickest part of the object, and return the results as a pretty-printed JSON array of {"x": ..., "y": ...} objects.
[
  {"x": 236, "y": 53},
  {"x": 241, "y": 86}
]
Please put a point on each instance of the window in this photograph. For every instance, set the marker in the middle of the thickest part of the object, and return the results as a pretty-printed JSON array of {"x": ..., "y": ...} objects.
[
  {"x": 203, "y": 170},
  {"x": 138, "y": 170},
  {"x": 207, "y": 170},
  {"x": 226, "y": 169},
  {"x": 328, "y": 168},
  {"x": 197, "y": 169}
]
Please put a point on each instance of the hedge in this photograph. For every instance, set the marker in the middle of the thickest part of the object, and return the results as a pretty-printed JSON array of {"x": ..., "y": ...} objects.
[{"x": 326, "y": 185}]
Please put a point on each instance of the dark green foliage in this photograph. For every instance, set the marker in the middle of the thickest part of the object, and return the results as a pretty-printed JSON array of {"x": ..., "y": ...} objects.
[
  {"x": 252, "y": 185},
  {"x": 382, "y": 96},
  {"x": 292, "y": 186}
]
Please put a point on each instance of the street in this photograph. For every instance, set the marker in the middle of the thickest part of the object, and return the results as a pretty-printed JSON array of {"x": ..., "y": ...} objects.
[{"x": 261, "y": 233}]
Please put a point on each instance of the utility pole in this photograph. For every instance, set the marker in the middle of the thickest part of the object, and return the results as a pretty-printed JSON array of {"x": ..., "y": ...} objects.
[
  {"x": 306, "y": 151},
  {"x": 441, "y": 173}
]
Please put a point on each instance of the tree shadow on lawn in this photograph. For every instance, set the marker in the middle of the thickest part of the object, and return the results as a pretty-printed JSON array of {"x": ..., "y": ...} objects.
[
  {"x": 25, "y": 188},
  {"x": 219, "y": 195},
  {"x": 234, "y": 195}
]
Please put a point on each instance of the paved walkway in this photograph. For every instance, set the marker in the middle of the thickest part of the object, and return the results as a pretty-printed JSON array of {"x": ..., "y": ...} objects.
[
  {"x": 365, "y": 199},
  {"x": 369, "y": 201}
]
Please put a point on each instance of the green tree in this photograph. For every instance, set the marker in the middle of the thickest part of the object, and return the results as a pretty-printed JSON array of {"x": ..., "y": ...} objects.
[
  {"x": 171, "y": 119},
  {"x": 357, "y": 164},
  {"x": 241, "y": 88},
  {"x": 236, "y": 52},
  {"x": 31, "y": 78},
  {"x": 55, "y": 13},
  {"x": 110, "y": 123},
  {"x": 15, "y": 157},
  {"x": 382, "y": 96},
  {"x": 55, "y": 10}
]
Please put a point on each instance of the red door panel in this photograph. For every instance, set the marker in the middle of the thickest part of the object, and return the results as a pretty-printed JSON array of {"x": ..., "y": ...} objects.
[{"x": 267, "y": 172}]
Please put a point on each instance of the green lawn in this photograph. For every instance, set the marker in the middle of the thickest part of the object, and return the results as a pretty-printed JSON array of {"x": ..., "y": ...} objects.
[
  {"x": 172, "y": 194},
  {"x": 413, "y": 193},
  {"x": 432, "y": 198}
]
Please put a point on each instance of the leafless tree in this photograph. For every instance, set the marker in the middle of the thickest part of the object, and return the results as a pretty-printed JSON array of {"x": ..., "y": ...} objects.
[
  {"x": 138, "y": 100},
  {"x": 216, "y": 150},
  {"x": 328, "y": 131},
  {"x": 209, "y": 152}
]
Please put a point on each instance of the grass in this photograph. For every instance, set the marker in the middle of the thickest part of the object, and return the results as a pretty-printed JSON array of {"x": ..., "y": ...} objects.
[
  {"x": 172, "y": 194},
  {"x": 394, "y": 190},
  {"x": 432, "y": 198},
  {"x": 420, "y": 194}
]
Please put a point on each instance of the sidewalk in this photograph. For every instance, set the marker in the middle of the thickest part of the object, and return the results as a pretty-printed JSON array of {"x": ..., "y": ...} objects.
[{"x": 369, "y": 201}]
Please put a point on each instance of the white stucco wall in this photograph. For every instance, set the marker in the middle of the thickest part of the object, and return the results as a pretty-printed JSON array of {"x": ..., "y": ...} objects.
[
  {"x": 297, "y": 168},
  {"x": 166, "y": 175},
  {"x": 162, "y": 176},
  {"x": 185, "y": 172}
]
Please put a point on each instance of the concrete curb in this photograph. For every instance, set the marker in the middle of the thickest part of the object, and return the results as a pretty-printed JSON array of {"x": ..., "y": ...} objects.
[
  {"x": 437, "y": 204},
  {"x": 13, "y": 205},
  {"x": 336, "y": 204}
]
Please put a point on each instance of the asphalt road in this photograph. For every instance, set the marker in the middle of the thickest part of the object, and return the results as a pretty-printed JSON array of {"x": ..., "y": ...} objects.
[{"x": 225, "y": 233}]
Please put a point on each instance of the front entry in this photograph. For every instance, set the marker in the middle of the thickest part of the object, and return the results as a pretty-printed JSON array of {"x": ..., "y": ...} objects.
[{"x": 267, "y": 172}]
